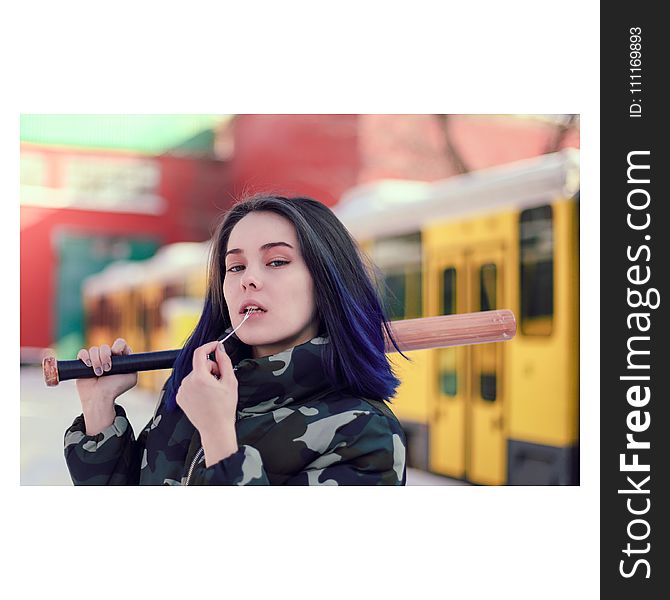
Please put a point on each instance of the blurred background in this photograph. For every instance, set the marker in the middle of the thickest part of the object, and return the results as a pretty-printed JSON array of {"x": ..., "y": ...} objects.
[{"x": 461, "y": 213}]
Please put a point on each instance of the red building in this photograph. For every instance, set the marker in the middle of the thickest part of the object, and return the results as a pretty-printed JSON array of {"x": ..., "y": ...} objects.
[
  {"x": 81, "y": 210},
  {"x": 312, "y": 155},
  {"x": 323, "y": 155}
]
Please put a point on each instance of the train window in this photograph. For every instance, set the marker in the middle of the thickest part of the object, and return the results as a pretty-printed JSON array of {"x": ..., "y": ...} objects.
[
  {"x": 104, "y": 312},
  {"x": 487, "y": 301},
  {"x": 487, "y": 386},
  {"x": 114, "y": 320},
  {"x": 141, "y": 309},
  {"x": 100, "y": 312},
  {"x": 536, "y": 254},
  {"x": 170, "y": 290},
  {"x": 487, "y": 287},
  {"x": 449, "y": 291},
  {"x": 174, "y": 290},
  {"x": 448, "y": 374},
  {"x": 399, "y": 259}
]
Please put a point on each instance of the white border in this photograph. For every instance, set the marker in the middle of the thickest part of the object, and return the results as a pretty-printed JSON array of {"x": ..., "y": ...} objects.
[{"x": 512, "y": 57}]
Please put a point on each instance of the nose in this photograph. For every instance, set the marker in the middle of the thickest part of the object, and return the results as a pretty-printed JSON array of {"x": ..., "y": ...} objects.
[{"x": 250, "y": 279}]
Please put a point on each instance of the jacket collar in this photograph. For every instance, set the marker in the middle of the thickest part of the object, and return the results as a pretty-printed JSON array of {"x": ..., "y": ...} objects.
[{"x": 276, "y": 381}]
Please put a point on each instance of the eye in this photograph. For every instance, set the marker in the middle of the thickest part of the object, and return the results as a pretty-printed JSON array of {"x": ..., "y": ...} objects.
[
  {"x": 232, "y": 269},
  {"x": 279, "y": 260}
]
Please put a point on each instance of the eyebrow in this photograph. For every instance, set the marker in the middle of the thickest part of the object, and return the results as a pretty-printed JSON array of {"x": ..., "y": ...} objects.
[{"x": 262, "y": 248}]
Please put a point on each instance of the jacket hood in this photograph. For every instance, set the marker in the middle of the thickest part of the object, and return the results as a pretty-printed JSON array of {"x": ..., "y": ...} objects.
[{"x": 279, "y": 380}]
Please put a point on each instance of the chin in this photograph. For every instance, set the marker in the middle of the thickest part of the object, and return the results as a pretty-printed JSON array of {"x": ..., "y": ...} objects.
[
  {"x": 249, "y": 340},
  {"x": 256, "y": 339},
  {"x": 253, "y": 338}
]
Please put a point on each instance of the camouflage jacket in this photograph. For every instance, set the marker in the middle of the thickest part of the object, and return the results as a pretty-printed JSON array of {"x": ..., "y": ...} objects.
[{"x": 292, "y": 428}]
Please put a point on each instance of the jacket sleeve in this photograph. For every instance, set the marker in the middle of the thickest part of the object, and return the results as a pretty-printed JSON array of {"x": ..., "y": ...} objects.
[
  {"x": 367, "y": 450},
  {"x": 244, "y": 467},
  {"x": 111, "y": 457}
]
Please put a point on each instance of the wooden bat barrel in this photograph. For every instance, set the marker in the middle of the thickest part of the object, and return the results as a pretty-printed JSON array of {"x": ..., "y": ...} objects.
[
  {"x": 453, "y": 330},
  {"x": 410, "y": 334}
]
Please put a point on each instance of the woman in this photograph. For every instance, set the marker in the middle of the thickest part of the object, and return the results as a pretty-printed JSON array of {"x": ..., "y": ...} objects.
[{"x": 296, "y": 396}]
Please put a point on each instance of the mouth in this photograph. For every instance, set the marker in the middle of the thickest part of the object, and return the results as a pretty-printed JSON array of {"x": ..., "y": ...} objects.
[{"x": 252, "y": 310}]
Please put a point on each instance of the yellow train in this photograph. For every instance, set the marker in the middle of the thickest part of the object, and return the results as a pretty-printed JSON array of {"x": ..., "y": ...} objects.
[
  {"x": 506, "y": 237},
  {"x": 153, "y": 304}
]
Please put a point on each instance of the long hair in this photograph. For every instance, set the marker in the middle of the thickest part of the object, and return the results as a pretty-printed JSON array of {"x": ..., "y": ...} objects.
[{"x": 348, "y": 304}]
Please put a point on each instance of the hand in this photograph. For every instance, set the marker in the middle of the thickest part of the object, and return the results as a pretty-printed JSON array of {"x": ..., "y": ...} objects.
[
  {"x": 98, "y": 394},
  {"x": 208, "y": 394}
]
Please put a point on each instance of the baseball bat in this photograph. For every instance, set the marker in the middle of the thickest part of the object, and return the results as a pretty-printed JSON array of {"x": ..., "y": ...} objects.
[{"x": 410, "y": 334}]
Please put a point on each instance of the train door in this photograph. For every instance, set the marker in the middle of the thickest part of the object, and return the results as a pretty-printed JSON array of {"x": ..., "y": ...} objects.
[
  {"x": 485, "y": 431},
  {"x": 467, "y": 433},
  {"x": 448, "y": 273}
]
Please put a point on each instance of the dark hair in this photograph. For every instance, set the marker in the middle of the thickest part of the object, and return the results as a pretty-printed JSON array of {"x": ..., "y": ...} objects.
[{"x": 347, "y": 302}]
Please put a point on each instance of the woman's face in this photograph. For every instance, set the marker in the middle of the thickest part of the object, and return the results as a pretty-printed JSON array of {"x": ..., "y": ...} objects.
[{"x": 264, "y": 267}]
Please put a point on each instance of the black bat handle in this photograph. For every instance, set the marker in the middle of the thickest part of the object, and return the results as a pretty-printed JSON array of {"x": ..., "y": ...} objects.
[{"x": 62, "y": 370}]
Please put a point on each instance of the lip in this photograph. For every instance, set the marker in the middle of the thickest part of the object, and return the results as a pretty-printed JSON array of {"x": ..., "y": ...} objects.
[{"x": 244, "y": 305}]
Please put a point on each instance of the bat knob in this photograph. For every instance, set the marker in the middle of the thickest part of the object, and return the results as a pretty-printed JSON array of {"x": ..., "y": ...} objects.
[{"x": 50, "y": 369}]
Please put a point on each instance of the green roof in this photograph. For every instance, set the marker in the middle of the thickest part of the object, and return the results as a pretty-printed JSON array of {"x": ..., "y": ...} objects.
[{"x": 150, "y": 134}]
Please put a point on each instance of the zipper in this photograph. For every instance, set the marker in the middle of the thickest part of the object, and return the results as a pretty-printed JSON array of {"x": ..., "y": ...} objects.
[
  {"x": 195, "y": 459},
  {"x": 199, "y": 452}
]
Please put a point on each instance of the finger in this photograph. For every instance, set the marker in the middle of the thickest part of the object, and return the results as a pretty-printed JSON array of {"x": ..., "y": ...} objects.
[
  {"x": 94, "y": 355},
  {"x": 120, "y": 346},
  {"x": 201, "y": 363},
  {"x": 82, "y": 355},
  {"x": 106, "y": 357}
]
